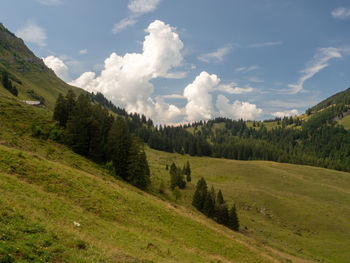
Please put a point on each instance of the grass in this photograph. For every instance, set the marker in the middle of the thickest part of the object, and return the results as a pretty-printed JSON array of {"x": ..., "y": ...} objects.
[
  {"x": 291, "y": 212},
  {"x": 345, "y": 122},
  {"x": 304, "y": 211},
  {"x": 45, "y": 188}
]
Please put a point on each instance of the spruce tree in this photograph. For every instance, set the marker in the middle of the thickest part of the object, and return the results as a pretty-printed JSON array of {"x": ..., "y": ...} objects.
[
  {"x": 233, "y": 222},
  {"x": 220, "y": 199},
  {"x": 119, "y": 143},
  {"x": 208, "y": 206},
  {"x": 222, "y": 216},
  {"x": 173, "y": 176},
  {"x": 200, "y": 194},
  {"x": 60, "y": 111},
  {"x": 138, "y": 173}
]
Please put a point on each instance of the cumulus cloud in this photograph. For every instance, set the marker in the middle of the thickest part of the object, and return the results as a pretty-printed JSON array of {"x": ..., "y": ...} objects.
[
  {"x": 216, "y": 56},
  {"x": 200, "y": 105},
  {"x": 58, "y": 66},
  {"x": 237, "y": 110},
  {"x": 126, "y": 79},
  {"x": 341, "y": 13},
  {"x": 233, "y": 88},
  {"x": 286, "y": 113},
  {"x": 32, "y": 33},
  {"x": 136, "y": 8},
  {"x": 265, "y": 44},
  {"x": 126, "y": 22},
  {"x": 319, "y": 62},
  {"x": 50, "y": 2}
]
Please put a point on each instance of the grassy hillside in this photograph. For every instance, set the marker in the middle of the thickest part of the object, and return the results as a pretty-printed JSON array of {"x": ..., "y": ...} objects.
[
  {"x": 298, "y": 209},
  {"x": 27, "y": 72},
  {"x": 45, "y": 188}
]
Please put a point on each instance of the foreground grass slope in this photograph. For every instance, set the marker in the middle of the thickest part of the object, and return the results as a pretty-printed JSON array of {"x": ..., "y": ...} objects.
[
  {"x": 298, "y": 209},
  {"x": 45, "y": 188}
]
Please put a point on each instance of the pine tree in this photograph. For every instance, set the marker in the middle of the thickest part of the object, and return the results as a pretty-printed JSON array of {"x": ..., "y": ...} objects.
[
  {"x": 222, "y": 216},
  {"x": 60, "y": 111},
  {"x": 78, "y": 132},
  {"x": 119, "y": 143},
  {"x": 188, "y": 168},
  {"x": 233, "y": 222},
  {"x": 208, "y": 206},
  {"x": 220, "y": 199},
  {"x": 70, "y": 102},
  {"x": 200, "y": 194},
  {"x": 173, "y": 176},
  {"x": 138, "y": 173}
]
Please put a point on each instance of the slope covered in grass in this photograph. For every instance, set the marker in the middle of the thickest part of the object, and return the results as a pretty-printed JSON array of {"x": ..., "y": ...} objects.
[
  {"x": 27, "y": 72},
  {"x": 298, "y": 209},
  {"x": 45, "y": 188}
]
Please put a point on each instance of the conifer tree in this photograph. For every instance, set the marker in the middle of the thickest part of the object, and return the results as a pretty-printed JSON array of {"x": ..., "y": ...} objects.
[
  {"x": 173, "y": 176},
  {"x": 119, "y": 143},
  {"x": 233, "y": 222},
  {"x": 60, "y": 111},
  {"x": 208, "y": 206},
  {"x": 220, "y": 199},
  {"x": 138, "y": 173},
  {"x": 222, "y": 216},
  {"x": 70, "y": 102},
  {"x": 200, "y": 194}
]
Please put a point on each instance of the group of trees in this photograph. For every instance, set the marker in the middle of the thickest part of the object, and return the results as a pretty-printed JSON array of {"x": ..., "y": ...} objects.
[
  {"x": 177, "y": 176},
  {"x": 214, "y": 206},
  {"x": 6, "y": 82},
  {"x": 291, "y": 140},
  {"x": 91, "y": 131}
]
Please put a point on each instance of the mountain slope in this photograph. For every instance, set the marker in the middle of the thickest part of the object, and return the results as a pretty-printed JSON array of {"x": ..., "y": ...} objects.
[
  {"x": 302, "y": 210},
  {"x": 45, "y": 188},
  {"x": 28, "y": 72}
]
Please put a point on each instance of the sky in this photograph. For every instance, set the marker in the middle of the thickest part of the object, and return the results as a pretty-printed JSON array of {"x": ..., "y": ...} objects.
[{"x": 183, "y": 61}]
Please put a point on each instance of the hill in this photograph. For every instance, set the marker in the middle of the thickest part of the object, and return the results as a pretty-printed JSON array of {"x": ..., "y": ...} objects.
[
  {"x": 57, "y": 206},
  {"x": 301, "y": 210},
  {"x": 29, "y": 73}
]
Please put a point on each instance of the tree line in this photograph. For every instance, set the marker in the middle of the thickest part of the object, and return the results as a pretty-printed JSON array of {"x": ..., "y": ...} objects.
[
  {"x": 317, "y": 141},
  {"x": 90, "y": 130}
]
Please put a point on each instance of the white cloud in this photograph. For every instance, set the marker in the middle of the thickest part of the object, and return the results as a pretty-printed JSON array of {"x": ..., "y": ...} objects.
[
  {"x": 50, "y": 2},
  {"x": 58, "y": 66},
  {"x": 126, "y": 79},
  {"x": 143, "y": 6},
  {"x": 137, "y": 8},
  {"x": 216, "y": 56},
  {"x": 319, "y": 62},
  {"x": 237, "y": 110},
  {"x": 83, "y": 51},
  {"x": 286, "y": 113},
  {"x": 200, "y": 105},
  {"x": 247, "y": 69},
  {"x": 265, "y": 44},
  {"x": 233, "y": 88},
  {"x": 174, "y": 96},
  {"x": 176, "y": 75},
  {"x": 126, "y": 22},
  {"x": 32, "y": 33},
  {"x": 341, "y": 13}
]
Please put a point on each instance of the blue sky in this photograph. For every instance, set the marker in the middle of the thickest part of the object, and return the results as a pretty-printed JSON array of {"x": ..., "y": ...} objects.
[{"x": 180, "y": 61}]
